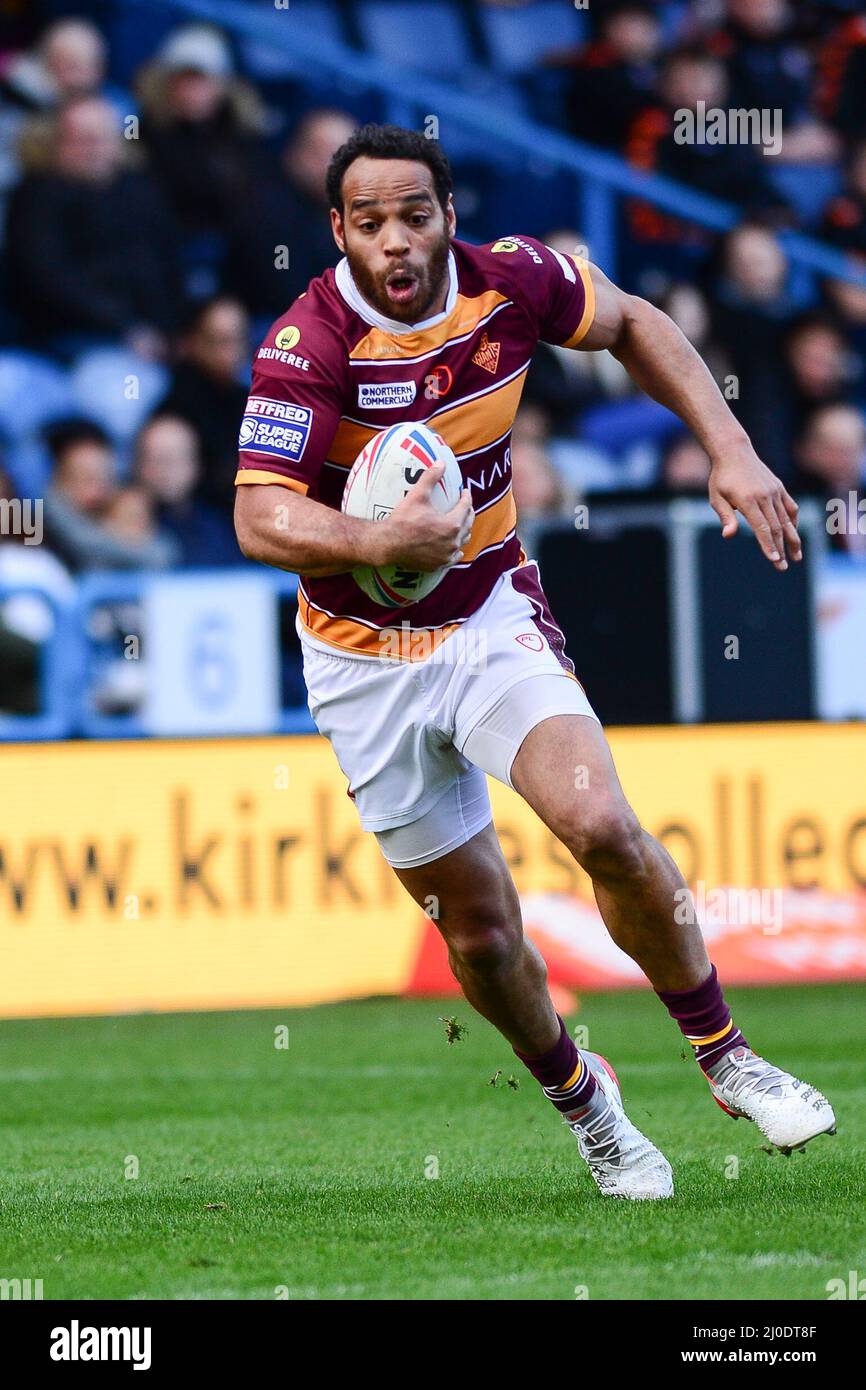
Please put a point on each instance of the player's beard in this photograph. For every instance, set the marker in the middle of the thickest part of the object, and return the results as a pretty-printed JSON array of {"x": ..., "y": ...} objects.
[{"x": 430, "y": 277}]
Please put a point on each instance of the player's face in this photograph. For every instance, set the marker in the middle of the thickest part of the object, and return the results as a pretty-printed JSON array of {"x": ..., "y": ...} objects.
[{"x": 395, "y": 236}]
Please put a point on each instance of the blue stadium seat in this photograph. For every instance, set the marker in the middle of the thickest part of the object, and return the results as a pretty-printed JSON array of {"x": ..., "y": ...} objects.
[
  {"x": 502, "y": 97},
  {"x": 429, "y": 35},
  {"x": 616, "y": 425},
  {"x": 265, "y": 60},
  {"x": 518, "y": 39},
  {"x": 28, "y": 463},
  {"x": 33, "y": 392},
  {"x": 117, "y": 389},
  {"x": 134, "y": 33},
  {"x": 807, "y": 187}
]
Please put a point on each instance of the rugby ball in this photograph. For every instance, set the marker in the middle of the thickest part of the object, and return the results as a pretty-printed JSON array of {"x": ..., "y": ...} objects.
[{"x": 378, "y": 480}]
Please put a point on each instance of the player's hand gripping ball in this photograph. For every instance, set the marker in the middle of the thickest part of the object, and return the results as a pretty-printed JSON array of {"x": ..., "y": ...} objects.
[{"x": 379, "y": 479}]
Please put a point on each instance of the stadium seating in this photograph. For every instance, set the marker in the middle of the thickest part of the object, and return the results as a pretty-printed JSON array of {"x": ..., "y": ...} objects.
[
  {"x": 117, "y": 389},
  {"x": 518, "y": 39},
  {"x": 264, "y": 61},
  {"x": 429, "y": 36},
  {"x": 33, "y": 392}
]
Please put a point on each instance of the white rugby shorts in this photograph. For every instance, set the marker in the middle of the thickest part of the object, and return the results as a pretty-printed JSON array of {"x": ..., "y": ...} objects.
[{"x": 414, "y": 738}]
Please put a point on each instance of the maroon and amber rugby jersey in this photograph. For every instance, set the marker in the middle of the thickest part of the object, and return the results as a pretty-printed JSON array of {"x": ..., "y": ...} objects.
[{"x": 332, "y": 372}]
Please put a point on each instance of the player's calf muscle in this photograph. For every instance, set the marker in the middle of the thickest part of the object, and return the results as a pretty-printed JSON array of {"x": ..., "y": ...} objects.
[{"x": 609, "y": 842}]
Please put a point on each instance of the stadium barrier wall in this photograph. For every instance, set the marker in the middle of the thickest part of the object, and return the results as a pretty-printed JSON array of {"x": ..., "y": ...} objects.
[{"x": 223, "y": 874}]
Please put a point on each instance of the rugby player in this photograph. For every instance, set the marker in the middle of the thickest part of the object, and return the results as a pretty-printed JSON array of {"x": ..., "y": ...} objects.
[{"x": 415, "y": 325}]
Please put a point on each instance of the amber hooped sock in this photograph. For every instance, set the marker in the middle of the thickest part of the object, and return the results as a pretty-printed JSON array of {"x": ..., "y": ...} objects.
[
  {"x": 704, "y": 1019},
  {"x": 565, "y": 1077}
]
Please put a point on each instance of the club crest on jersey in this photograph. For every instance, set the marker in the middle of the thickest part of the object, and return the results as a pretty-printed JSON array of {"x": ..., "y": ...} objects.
[
  {"x": 487, "y": 355},
  {"x": 385, "y": 395},
  {"x": 438, "y": 382},
  {"x": 275, "y": 428}
]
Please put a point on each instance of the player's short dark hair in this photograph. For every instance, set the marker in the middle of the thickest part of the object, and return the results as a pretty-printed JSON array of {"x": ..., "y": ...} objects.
[{"x": 389, "y": 142}]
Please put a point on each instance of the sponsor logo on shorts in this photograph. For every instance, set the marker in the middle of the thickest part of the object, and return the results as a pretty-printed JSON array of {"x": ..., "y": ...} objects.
[
  {"x": 532, "y": 640},
  {"x": 386, "y": 395},
  {"x": 275, "y": 428}
]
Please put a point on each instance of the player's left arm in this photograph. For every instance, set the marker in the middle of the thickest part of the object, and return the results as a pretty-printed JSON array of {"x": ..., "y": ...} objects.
[{"x": 664, "y": 364}]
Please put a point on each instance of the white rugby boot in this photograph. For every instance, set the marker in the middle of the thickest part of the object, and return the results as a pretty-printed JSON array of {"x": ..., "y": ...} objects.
[
  {"x": 786, "y": 1110},
  {"x": 622, "y": 1161}
]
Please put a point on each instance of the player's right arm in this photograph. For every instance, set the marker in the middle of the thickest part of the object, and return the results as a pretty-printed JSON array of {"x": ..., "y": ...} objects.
[
  {"x": 289, "y": 423},
  {"x": 283, "y": 528}
]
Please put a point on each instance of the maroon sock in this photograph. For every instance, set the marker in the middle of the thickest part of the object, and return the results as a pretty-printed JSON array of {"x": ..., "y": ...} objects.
[
  {"x": 564, "y": 1076},
  {"x": 704, "y": 1019}
]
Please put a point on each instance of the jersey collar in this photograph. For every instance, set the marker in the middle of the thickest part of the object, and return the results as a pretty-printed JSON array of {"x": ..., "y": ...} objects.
[{"x": 353, "y": 297}]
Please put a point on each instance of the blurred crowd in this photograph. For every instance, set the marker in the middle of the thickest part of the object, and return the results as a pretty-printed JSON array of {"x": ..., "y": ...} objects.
[{"x": 154, "y": 219}]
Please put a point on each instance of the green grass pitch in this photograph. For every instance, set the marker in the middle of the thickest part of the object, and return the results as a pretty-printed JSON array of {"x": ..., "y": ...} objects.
[{"x": 304, "y": 1169}]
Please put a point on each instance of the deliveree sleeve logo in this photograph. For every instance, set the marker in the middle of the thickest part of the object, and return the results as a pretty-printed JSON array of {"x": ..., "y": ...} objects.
[{"x": 276, "y": 428}]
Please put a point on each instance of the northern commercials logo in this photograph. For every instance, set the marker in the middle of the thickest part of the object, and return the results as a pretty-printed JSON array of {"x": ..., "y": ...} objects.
[
  {"x": 276, "y": 428},
  {"x": 77, "y": 1343},
  {"x": 386, "y": 395}
]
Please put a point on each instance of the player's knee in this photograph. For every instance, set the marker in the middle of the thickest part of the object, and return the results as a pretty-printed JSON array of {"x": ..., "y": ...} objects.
[
  {"x": 609, "y": 842},
  {"x": 484, "y": 940}
]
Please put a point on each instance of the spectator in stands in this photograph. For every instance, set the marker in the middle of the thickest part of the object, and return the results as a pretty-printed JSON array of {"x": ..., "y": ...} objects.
[
  {"x": 74, "y": 56},
  {"x": 685, "y": 468},
  {"x": 845, "y": 217},
  {"x": 79, "y": 500},
  {"x": 287, "y": 219},
  {"x": 130, "y": 516},
  {"x": 540, "y": 493},
  {"x": 831, "y": 459},
  {"x": 848, "y": 303},
  {"x": 209, "y": 391},
  {"x": 561, "y": 381},
  {"x": 822, "y": 368},
  {"x": 168, "y": 465},
  {"x": 69, "y": 60},
  {"x": 769, "y": 65},
  {"x": 751, "y": 314},
  {"x": 690, "y": 311},
  {"x": 26, "y": 619},
  {"x": 615, "y": 76},
  {"x": 841, "y": 86},
  {"x": 845, "y": 226},
  {"x": 202, "y": 128},
  {"x": 91, "y": 250},
  {"x": 660, "y": 141},
  {"x": 831, "y": 451}
]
